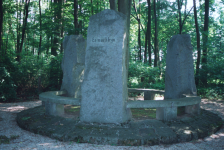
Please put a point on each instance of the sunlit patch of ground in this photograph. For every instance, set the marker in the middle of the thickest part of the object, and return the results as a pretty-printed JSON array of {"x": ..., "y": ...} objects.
[{"x": 17, "y": 107}]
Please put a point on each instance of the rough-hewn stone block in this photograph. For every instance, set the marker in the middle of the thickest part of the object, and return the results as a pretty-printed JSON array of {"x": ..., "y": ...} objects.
[{"x": 104, "y": 89}]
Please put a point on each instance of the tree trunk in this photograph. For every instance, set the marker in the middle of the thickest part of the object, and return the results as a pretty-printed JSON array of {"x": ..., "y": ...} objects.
[
  {"x": 26, "y": 12},
  {"x": 18, "y": 32},
  {"x": 11, "y": 30},
  {"x": 1, "y": 24},
  {"x": 205, "y": 43},
  {"x": 113, "y": 4},
  {"x": 139, "y": 32},
  {"x": 39, "y": 49},
  {"x": 198, "y": 45},
  {"x": 156, "y": 48},
  {"x": 149, "y": 31},
  {"x": 179, "y": 11},
  {"x": 92, "y": 7},
  {"x": 124, "y": 6},
  {"x": 76, "y": 16},
  {"x": 139, "y": 27},
  {"x": 6, "y": 46},
  {"x": 62, "y": 24},
  {"x": 57, "y": 18},
  {"x": 145, "y": 52}
]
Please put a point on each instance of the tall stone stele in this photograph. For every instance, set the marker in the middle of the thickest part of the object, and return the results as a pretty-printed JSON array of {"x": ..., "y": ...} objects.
[
  {"x": 179, "y": 76},
  {"x": 104, "y": 89},
  {"x": 73, "y": 65}
]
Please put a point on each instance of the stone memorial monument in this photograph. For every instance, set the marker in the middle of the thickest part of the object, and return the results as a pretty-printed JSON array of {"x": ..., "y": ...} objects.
[
  {"x": 104, "y": 89},
  {"x": 179, "y": 76},
  {"x": 73, "y": 65}
]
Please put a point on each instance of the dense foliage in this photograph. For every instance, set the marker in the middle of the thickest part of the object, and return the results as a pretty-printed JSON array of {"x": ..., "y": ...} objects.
[{"x": 32, "y": 33}]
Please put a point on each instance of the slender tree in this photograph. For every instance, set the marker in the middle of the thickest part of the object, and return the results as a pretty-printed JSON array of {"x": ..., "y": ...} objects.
[
  {"x": 40, "y": 20},
  {"x": 26, "y": 12},
  {"x": 113, "y": 4},
  {"x": 18, "y": 18},
  {"x": 139, "y": 27},
  {"x": 205, "y": 44},
  {"x": 124, "y": 6},
  {"x": 149, "y": 31},
  {"x": 145, "y": 52},
  {"x": 179, "y": 12},
  {"x": 1, "y": 23},
  {"x": 139, "y": 32},
  {"x": 57, "y": 20},
  {"x": 198, "y": 44},
  {"x": 92, "y": 7},
  {"x": 156, "y": 46},
  {"x": 76, "y": 16}
]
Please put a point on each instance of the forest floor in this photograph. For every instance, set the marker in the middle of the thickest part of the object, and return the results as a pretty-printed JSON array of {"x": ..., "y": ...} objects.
[{"x": 21, "y": 139}]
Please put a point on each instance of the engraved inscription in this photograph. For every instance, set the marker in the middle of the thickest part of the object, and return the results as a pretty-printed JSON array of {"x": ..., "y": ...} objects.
[{"x": 106, "y": 39}]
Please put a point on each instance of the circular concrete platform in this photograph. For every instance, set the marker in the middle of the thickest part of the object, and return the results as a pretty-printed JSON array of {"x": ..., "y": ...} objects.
[{"x": 133, "y": 133}]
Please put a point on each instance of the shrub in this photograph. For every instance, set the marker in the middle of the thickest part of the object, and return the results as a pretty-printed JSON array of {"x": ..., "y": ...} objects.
[
  {"x": 7, "y": 86},
  {"x": 144, "y": 76}
]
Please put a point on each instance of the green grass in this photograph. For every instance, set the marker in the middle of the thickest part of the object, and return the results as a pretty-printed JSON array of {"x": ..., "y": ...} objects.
[
  {"x": 143, "y": 113},
  {"x": 73, "y": 109},
  {"x": 6, "y": 140},
  {"x": 139, "y": 113}
]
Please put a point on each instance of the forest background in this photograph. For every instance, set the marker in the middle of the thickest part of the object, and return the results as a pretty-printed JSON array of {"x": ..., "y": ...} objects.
[{"x": 32, "y": 32}]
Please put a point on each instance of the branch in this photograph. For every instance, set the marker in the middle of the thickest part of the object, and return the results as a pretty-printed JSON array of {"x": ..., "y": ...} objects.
[
  {"x": 134, "y": 17},
  {"x": 138, "y": 22},
  {"x": 135, "y": 8},
  {"x": 186, "y": 16}
]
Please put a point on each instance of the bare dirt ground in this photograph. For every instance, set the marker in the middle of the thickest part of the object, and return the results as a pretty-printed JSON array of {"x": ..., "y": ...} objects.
[{"x": 26, "y": 140}]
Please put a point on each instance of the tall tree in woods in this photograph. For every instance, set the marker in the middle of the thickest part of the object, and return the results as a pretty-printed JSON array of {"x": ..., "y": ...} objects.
[
  {"x": 1, "y": 25},
  {"x": 139, "y": 32},
  {"x": 138, "y": 18},
  {"x": 40, "y": 20},
  {"x": 205, "y": 44},
  {"x": 113, "y": 4},
  {"x": 76, "y": 16},
  {"x": 124, "y": 6},
  {"x": 198, "y": 44},
  {"x": 57, "y": 20},
  {"x": 179, "y": 12},
  {"x": 92, "y": 7},
  {"x": 145, "y": 52},
  {"x": 181, "y": 23},
  {"x": 18, "y": 14},
  {"x": 156, "y": 45},
  {"x": 149, "y": 31},
  {"x": 26, "y": 12}
]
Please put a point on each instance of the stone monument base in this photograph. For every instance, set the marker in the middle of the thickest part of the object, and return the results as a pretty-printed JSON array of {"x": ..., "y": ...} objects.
[
  {"x": 166, "y": 113},
  {"x": 133, "y": 133}
]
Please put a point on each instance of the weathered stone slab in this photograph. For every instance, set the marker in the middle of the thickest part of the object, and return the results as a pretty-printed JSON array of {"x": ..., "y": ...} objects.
[
  {"x": 54, "y": 109},
  {"x": 149, "y": 95},
  {"x": 179, "y": 77},
  {"x": 104, "y": 89},
  {"x": 73, "y": 64}
]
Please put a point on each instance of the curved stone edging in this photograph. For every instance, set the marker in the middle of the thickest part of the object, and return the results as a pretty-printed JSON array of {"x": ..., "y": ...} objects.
[
  {"x": 55, "y": 103},
  {"x": 54, "y": 97},
  {"x": 164, "y": 103},
  {"x": 146, "y": 90}
]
